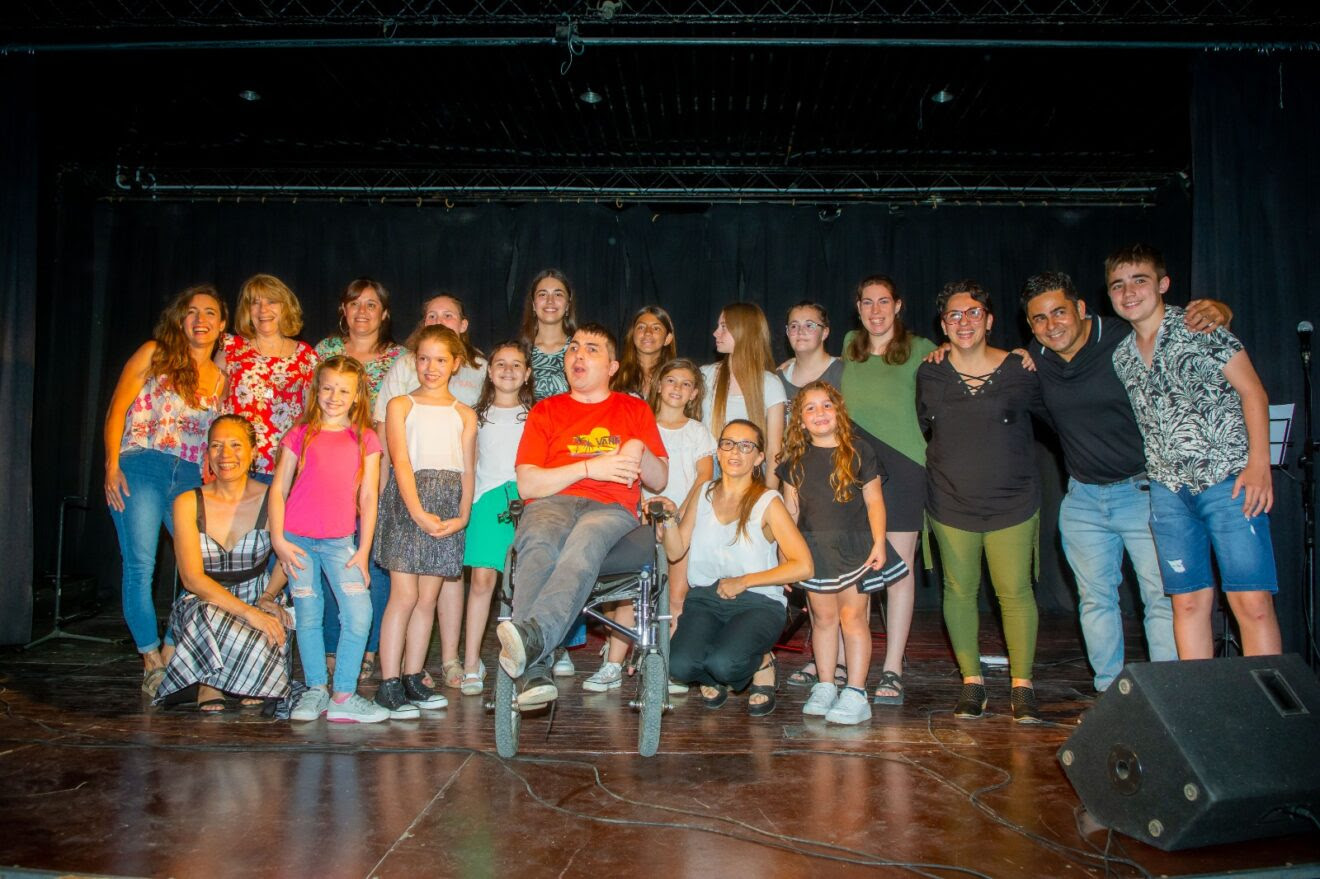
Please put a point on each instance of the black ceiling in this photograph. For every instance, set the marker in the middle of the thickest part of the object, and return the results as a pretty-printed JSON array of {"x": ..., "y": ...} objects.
[{"x": 417, "y": 101}]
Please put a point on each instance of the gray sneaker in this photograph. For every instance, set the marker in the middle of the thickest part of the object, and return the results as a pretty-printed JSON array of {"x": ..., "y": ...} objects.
[
  {"x": 821, "y": 699},
  {"x": 355, "y": 709},
  {"x": 609, "y": 677},
  {"x": 311, "y": 704},
  {"x": 851, "y": 707}
]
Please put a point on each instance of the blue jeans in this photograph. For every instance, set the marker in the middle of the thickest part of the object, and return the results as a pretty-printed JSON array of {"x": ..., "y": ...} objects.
[
  {"x": 1097, "y": 522},
  {"x": 561, "y": 542},
  {"x": 329, "y": 556},
  {"x": 154, "y": 479},
  {"x": 1186, "y": 525},
  {"x": 380, "y": 596}
]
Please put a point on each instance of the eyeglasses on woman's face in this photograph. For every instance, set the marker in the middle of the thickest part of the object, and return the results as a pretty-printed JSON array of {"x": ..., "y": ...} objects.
[
  {"x": 747, "y": 447},
  {"x": 975, "y": 314}
]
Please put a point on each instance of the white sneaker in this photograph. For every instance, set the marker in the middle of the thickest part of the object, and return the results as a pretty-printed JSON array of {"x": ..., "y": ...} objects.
[
  {"x": 677, "y": 688},
  {"x": 851, "y": 707},
  {"x": 563, "y": 667},
  {"x": 311, "y": 704},
  {"x": 821, "y": 699},
  {"x": 610, "y": 677},
  {"x": 474, "y": 682},
  {"x": 355, "y": 709}
]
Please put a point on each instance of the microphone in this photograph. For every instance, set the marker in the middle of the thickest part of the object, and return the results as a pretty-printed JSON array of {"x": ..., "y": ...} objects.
[{"x": 1304, "y": 330}]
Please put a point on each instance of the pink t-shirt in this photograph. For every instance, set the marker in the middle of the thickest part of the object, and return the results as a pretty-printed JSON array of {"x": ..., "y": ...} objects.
[{"x": 323, "y": 500}]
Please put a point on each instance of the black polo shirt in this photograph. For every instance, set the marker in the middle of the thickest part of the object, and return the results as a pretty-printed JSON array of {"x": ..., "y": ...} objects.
[{"x": 1090, "y": 408}]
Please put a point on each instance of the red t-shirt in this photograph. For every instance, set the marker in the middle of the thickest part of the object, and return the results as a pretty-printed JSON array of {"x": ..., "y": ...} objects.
[{"x": 561, "y": 430}]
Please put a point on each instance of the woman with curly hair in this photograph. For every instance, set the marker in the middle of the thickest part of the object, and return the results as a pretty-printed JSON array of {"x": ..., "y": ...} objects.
[{"x": 155, "y": 438}]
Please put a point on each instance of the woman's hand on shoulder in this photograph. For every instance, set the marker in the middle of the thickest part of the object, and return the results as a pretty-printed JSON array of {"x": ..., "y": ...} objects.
[
  {"x": 1027, "y": 363},
  {"x": 937, "y": 356}
]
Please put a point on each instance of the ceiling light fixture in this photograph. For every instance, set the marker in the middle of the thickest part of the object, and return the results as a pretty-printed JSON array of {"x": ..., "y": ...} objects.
[
  {"x": 249, "y": 95},
  {"x": 943, "y": 96},
  {"x": 590, "y": 97}
]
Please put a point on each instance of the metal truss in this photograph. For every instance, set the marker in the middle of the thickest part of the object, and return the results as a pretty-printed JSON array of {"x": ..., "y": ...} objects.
[
  {"x": 631, "y": 186},
  {"x": 48, "y": 25}
]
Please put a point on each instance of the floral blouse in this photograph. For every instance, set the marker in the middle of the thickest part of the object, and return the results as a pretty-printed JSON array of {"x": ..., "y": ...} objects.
[
  {"x": 162, "y": 421},
  {"x": 270, "y": 392},
  {"x": 333, "y": 346}
]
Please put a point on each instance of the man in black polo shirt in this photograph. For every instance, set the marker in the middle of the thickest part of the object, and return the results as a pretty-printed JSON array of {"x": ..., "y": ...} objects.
[{"x": 1107, "y": 507}]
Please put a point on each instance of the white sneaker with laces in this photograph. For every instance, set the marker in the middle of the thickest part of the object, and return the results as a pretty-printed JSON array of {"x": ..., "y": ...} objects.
[
  {"x": 609, "y": 677},
  {"x": 851, "y": 707},
  {"x": 356, "y": 709},
  {"x": 563, "y": 667},
  {"x": 311, "y": 704},
  {"x": 821, "y": 699}
]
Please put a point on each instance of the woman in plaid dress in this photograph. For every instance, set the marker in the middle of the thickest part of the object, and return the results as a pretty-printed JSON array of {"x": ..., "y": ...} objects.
[{"x": 229, "y": 626}]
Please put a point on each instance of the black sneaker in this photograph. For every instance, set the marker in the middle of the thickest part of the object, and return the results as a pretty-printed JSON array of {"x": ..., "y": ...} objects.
[
  {"x": 1023, "y": 700},
  {"x": 390, "y": 696},
  {"x": 421, "y": 695},
  {"x": 971, "y": 701},
  {"x": 537, "y": 687},
  {"x": 520, "y": 644}
]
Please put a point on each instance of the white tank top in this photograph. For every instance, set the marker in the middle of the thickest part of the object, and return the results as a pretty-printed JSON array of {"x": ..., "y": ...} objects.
[
  {"x": 435, "y": 437},
  {"x": 715, "y": 554}
]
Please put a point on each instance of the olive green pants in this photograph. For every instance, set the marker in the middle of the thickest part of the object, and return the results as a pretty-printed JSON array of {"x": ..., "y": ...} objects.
[{"x": 1010, "y": 554}]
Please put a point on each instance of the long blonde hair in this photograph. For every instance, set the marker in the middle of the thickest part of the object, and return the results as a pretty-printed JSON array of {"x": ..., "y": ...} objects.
[
  {"x": 749, "y": 362},
  {"x": 843, "y": 478},
  {"x": 359, "y": 414}
]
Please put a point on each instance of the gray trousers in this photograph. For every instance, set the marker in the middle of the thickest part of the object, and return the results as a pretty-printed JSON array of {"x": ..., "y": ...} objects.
[{"x": 561, "y": 542}]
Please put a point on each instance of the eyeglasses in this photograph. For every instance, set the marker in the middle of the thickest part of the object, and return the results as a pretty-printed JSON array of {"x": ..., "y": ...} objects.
[
  {"x": 744, "y": 446},
  {"x": 973, "y": 314},
  {"x": 806, "y": 326}
]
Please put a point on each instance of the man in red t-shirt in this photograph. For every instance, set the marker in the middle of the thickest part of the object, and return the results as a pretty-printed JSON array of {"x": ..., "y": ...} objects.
[{"x": 582, "y": 461}]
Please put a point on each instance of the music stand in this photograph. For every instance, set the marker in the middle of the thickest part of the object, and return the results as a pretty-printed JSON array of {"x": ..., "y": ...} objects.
[{"x": 57, "y": 632}]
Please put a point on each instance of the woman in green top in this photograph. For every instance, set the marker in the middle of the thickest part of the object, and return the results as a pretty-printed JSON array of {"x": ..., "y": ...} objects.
[{"x": 880, "y": 391}]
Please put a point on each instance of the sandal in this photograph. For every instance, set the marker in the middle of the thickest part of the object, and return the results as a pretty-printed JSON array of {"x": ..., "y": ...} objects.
[
  {"x": 761, "y": 709},
  {"x": 151, "y": 680},
  {"x": 452, "y": 673},
  {"x": 802, "y": 678},
  {"x": 474, "y": 681},
  {"x": 889, "y": 681},
  {"x": 214, "y": 706},
  {"x": 721, "y": 696},
  {"x": 368, "y": 669}
]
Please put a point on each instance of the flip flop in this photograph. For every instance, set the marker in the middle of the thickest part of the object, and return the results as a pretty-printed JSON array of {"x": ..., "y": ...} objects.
[{"x": 214, "y": 706}]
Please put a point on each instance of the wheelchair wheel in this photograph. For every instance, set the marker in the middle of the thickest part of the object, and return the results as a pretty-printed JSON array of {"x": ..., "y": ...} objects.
[
  {"x": 651, "y": 702},
  {"x": 507, "y": 718}
]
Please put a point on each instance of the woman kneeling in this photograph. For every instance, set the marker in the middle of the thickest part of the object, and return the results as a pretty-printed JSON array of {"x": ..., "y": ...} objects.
[{"x": 733, "y": 535}]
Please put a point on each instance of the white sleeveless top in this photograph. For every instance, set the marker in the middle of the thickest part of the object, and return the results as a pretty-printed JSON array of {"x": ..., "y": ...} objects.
[
  {"x": 435, "y": 437},
  {"x": 715, "y": 554}
]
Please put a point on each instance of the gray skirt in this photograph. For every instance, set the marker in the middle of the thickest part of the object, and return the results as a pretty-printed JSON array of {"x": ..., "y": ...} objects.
[{"x": 402, "y": 546}]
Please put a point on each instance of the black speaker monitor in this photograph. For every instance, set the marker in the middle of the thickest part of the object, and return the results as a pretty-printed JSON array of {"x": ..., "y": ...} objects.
[{"x": 1183, "y": 754}]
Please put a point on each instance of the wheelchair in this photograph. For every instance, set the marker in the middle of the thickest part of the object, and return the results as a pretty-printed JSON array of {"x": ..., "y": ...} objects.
[{"x": 635, "y": 570}]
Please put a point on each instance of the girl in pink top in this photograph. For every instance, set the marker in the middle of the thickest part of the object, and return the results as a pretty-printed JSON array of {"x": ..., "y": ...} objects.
[{"x": 326, "y": 481}]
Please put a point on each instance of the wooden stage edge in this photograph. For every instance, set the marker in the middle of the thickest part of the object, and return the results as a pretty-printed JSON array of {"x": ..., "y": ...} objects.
[{"x": 95, "y": 782}]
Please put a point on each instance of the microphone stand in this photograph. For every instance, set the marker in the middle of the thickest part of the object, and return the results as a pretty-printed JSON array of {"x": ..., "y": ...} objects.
[{"x": 1306, "y": 461}]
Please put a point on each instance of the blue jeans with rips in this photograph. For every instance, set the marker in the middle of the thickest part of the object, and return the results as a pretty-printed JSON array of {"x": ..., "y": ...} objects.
[{"x": 329, "y": 556}]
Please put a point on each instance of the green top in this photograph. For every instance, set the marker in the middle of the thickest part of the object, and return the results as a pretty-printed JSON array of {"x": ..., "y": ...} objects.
[{"x": 882, "y": 398}]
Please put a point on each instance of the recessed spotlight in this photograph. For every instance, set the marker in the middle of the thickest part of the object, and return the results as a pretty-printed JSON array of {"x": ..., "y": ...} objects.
[
  {"x": 943, "y": 96},
  {"x": 590, "y": 97},
  {"x": 249, "y": 95}
]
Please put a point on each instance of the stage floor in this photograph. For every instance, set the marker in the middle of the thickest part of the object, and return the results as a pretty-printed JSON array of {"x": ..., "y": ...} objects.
[{"x": 95, "y": 782}]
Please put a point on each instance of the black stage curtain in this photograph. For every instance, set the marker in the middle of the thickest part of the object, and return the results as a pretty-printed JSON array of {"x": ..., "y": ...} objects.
[
  {"x": 1256, "y": 218},
  {"x": 18, "y": 297},
  {"x": 121, "y": 261}
]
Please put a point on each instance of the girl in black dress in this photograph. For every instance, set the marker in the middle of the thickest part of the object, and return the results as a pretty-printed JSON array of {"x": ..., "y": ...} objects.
[{"x": 832, "y": 488}]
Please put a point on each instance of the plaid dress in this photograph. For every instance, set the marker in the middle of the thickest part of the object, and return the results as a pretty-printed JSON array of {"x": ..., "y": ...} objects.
[{"x": 216, "y": 648}]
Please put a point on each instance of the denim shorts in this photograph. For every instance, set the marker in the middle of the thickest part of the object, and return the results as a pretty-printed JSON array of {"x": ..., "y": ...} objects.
[{"x": 1186, "y": 526}]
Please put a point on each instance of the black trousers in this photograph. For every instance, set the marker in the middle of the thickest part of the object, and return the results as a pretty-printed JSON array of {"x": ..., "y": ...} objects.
[{"x": 722, "y": 641}]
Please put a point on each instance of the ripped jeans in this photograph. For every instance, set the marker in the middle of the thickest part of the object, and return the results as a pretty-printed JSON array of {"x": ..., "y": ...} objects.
[{"x": 330, "y": 555}]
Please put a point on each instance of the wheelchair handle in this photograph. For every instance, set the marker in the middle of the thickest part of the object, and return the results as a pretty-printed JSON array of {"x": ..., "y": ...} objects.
[{"x": 656, "y": 511}]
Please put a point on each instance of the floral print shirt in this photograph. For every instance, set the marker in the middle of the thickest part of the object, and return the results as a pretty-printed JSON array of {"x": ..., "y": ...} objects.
[
  {"x": 333, "y": 346},
  {"x": 1190, "y": 416},
  {"x": 270, "y": 392},
  {"x": 161, "y": 420}
]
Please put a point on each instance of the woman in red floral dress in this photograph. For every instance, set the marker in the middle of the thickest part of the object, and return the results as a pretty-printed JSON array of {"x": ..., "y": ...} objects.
[{"x": 269, "y": 370}]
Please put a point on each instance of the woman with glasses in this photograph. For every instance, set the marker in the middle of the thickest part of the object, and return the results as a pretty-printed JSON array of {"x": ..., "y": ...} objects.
[
  {"x": 733, "y": 535},
  {"x": 983, "y": 494}
]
